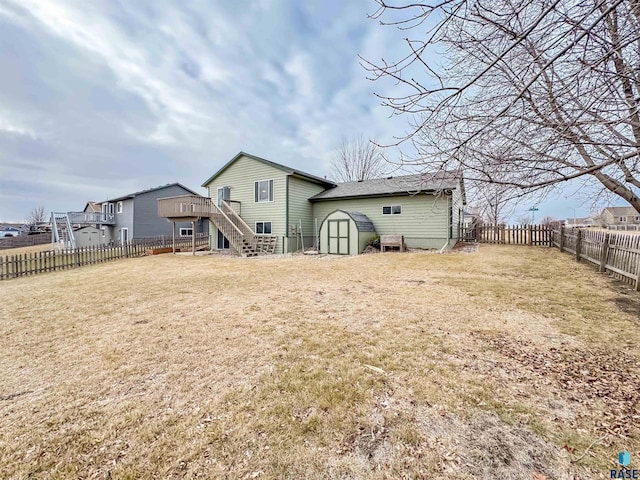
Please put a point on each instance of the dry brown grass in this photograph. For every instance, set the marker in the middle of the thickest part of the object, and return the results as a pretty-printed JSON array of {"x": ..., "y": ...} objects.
[
  {"x": 45, "y": 247},
  {"x": 497, "y": 364}
]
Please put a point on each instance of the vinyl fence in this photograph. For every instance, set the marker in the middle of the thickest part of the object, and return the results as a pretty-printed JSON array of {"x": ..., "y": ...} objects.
[
  {"x": 12, "y": 266},
  {"x": 615, "y": 253}
]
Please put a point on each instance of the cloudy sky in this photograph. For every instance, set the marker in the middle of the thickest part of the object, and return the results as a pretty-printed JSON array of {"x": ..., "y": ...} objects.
[{"x": 102, "y": 98}]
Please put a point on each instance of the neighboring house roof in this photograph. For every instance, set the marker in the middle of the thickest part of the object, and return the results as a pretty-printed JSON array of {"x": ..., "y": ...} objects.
[
  {"x": 13, "y": 227},
  {"x": 292, "y": 171},
  {"x": 134, "y": 194},
  {"x": 621, "y": 211},
  {"x": 93, "y": 207},
  {"x": 402, "y": 185}
]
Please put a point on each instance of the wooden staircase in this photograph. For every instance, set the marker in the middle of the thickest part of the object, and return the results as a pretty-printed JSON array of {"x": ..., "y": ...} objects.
[{"x": 241, "y": 237}]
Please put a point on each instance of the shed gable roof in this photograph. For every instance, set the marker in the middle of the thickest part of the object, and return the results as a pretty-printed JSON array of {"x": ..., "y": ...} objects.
[
  {"x": 291, "y": 171},
  {"x": 402, "y": 185}
]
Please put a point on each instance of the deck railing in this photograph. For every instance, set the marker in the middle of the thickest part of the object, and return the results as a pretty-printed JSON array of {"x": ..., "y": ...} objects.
[
  {"x": 184, "y": 206},
  {"x": 91, "y": 218}
]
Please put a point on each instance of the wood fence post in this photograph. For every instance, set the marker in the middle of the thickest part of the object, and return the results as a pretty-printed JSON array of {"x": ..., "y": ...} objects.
[
  {"x": 561, "y": 239},
  {"x": 578, "y": 244},
  {"x": 637, "y": 284},
  {"x": 530, "y": 235},
  {"x": 604, "y": 253}
]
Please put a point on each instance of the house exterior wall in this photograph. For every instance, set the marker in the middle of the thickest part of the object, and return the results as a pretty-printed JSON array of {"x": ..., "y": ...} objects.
[
  {"x": 147, "y": 223},
  {"x": 424, "y": 219},
  {"x": 122, "y": 220},
  {"x": 240, "y": 177},
  {"x": 300, "y": 209}
]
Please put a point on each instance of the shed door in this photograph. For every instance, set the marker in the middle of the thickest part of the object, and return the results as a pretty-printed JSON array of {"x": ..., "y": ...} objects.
[{"x": 339, "y": 237}]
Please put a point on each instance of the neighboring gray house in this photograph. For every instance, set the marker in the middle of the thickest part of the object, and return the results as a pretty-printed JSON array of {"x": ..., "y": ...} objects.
[{"x": 135, "y": 216}]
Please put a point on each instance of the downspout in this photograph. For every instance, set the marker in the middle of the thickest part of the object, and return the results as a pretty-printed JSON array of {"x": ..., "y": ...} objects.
[{"x": 448, "y": 225}]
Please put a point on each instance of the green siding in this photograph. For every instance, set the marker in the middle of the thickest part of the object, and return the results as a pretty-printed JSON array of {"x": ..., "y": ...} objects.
[
  {"x": 300, "y": 208},
  {"x": 423, "y": 222},
  {"x": 241, "y": 177}
]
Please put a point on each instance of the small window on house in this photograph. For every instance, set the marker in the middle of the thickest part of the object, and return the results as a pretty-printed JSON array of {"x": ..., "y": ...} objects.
[
  {"x": 622, "y": 219},
  {"x": 104, "y": 231},
  {"x": 186, "y": 232},
  {"x": 263, "y": 191},
  {"x": 119, "y": 207},
  {"x": 111, "y": 210},
  {"x": 263, "y": 228},
  {"x": 637, "y": 219},
  {"x": 392, "y": 210}
]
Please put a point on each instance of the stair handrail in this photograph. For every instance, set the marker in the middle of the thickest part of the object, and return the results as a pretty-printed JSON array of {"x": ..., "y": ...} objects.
[
  {"x": 213, "y": 205},
  {"x": 235, "y": 215}
]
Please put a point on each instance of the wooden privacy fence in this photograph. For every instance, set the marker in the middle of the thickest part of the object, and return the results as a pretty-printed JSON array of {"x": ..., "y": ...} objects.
[
  {"x": 12, "y": 266},
  {"x": 615, "y": 253},
  {"x": 25, "y": 240},
  {"x": 539, "y": 235}
]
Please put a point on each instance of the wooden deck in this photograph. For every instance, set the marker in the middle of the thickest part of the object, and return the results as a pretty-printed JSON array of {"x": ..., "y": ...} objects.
[{"x": 185, "y": 206}]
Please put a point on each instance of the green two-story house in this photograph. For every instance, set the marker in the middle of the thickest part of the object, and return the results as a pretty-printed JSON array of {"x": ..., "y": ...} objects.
[{"x": 259, "y": 206}]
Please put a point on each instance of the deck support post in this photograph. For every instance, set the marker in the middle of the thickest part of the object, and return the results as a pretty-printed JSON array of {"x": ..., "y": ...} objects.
[
  {"x": 193, "y": 237},
  {"x": 173, "y": 236}
]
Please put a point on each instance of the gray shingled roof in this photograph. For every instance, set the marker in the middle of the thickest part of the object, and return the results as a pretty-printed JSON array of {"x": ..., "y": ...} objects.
[
  {"x": 622, "y": 211},
  {"x": 131, "y": 195},
  {"x": 362, "y": 221},
  {"x": 402, "y": 185}
]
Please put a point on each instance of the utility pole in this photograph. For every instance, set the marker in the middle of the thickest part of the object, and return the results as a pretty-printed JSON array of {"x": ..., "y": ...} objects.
[{"x": 533, "y": 211}]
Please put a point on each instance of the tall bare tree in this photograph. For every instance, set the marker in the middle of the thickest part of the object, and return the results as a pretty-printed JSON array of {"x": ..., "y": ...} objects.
[
  {"x": 529, "y": 94},
  {"x": 357, "y": 159},
  {"x": 37, "y": 215}
]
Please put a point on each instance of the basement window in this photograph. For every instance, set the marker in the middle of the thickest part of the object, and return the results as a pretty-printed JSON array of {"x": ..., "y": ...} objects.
[
  {"x": 392, "y": 210},
  {"x": 186, "y": 232},
  {"x": 263, "y": 228}
]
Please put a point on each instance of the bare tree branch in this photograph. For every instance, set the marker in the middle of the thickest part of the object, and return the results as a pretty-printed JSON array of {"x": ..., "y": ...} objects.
[
  {"x": 530, "y": 94},
  {"x": 37, "y": 215},
  {"x": 357, "y": 159}
]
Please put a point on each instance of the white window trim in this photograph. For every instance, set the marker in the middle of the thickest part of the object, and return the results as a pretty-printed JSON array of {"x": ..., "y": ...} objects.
[
  {"x": 391, "y": 211},
  {"x": 119, "y": 207},
  {"x": 186, "y": 234},
  {"x": 622, "y": 219},
  {"x": 255, "y": 227},
  {"x": 271, "y": 194},
  {"x": 122, "y": 230}
]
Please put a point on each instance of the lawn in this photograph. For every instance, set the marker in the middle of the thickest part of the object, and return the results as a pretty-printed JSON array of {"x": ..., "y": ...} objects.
[{"x": 511, "y": 362}]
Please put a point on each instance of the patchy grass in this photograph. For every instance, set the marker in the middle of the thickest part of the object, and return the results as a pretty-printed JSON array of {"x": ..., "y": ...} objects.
[
  {"x": 45, "y": 247},
  {"x": 505, "y": 363}
]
